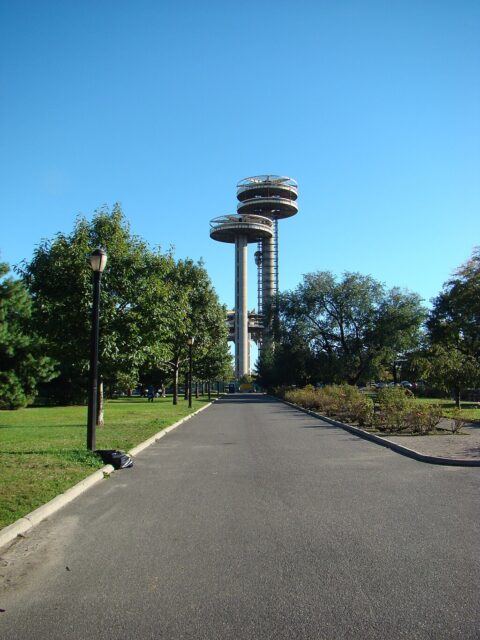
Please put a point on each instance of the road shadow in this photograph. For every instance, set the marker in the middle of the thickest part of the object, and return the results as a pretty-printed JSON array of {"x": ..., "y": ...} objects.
[{"x": 242, "y": 398}]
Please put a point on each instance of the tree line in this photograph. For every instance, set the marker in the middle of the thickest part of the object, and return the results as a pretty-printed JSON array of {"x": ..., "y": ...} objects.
[
  {"x": 151, "y": 304},
  {"x": 353, "y": 329}
]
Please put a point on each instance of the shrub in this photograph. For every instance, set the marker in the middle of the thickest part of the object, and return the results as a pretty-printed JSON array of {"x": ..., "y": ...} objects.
[
  {"x": 423, "y": 419},
  {"x": 280, "y": 392},
  {"x": 393, "y": 404},
  {"x": 341, "y": 401},
  {"x": 306, "y": 397},
  {"x": 457, "y": 421}
]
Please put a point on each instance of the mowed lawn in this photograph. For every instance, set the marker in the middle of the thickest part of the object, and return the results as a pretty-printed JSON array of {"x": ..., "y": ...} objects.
[
  {"x": 43, "y": 449},
  {"x": 470, "y": 410}
]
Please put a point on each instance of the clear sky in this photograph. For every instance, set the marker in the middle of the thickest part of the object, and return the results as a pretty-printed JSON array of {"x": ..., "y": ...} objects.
[{"x": 373, "y": 107}]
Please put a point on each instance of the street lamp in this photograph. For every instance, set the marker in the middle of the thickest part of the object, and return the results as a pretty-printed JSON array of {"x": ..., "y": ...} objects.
[
  {"x": 98, "y": 260},
  {"x": 190, "y": 342}
]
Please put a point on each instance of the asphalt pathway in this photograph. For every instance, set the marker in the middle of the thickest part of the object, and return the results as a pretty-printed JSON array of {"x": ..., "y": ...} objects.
[{"x": 253, "y": 521}]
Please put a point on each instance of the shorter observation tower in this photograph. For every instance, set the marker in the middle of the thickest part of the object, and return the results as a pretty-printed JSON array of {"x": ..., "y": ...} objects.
[{"x": 241, "y": 229}]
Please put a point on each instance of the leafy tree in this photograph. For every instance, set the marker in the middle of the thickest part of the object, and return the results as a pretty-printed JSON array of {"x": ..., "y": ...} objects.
[
  {"x": 215, "y": 363},
  {"x": 22, "y": 363},
  {"x": 450, "y": 369},
  {"x": 195, "y": 312},
  {"x": 134, "y": 300},
  {"x": 453, "y": 330},
  {"x": 455, "y": 316},
  {"x": 398, "y": 327},
  {"x": 345, "y": 329}
]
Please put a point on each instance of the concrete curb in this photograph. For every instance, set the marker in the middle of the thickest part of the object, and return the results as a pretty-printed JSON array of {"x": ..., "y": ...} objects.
[
  {"x": 24, "y": 524},
  {"x": 398, "y": 448}
]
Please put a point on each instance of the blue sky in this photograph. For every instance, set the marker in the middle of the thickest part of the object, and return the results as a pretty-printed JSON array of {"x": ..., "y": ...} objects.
[{"x": 373, "y": 107}]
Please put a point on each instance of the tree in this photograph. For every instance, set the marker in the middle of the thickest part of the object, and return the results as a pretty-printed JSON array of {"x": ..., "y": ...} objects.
[
  {"x": 134, "y": 300},
  {"x": 22, "y": 363},
  {"x": 455, "y": 316},
  {"x": 195, "y": 312},
  {"x": 450, "y": 369},
  {"x": 351, "y": 326},
  {"x": 398, "y": 327},
  {"x": 454, "y": 330}
]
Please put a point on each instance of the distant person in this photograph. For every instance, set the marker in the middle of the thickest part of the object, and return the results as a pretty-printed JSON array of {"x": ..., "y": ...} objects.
[{"x": 150, "y": 394}]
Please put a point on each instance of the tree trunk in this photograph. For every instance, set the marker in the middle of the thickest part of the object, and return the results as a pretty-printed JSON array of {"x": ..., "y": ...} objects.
[
  {"x": 209, "y": 391},
  {"x": 218, "y": 388},
  {"x": 457, "y": 398},
  {"x": 196, "y": 390},
  {"x": 186, "y": 387},
  {"x": 100, "y": 419}
]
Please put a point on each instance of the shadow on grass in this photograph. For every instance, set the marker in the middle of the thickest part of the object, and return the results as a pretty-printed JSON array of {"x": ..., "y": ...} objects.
[{"x": 77, "y": 456}]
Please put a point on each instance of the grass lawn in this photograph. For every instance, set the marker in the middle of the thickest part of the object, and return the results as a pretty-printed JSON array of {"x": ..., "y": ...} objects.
[
  {"x": 43, "y": 449},
  {"x": 469, "y": 410}
]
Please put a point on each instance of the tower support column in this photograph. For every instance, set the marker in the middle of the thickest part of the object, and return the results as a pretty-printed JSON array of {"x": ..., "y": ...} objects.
[{"x": 241, "y": 309}]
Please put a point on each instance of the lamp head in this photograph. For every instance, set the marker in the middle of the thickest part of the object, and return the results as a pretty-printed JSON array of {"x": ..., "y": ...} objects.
[
  {"x": 190, "y": 341},
  {"x": 98, "y": 260}
]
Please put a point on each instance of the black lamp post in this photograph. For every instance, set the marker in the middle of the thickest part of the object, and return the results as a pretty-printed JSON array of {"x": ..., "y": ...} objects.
[
  {"x": 98, "y": 260},
  {"x": 190, "y": 342}
]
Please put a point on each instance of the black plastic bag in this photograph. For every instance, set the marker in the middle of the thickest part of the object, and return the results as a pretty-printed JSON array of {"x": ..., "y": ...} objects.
[{"x": 118, "y": 459}]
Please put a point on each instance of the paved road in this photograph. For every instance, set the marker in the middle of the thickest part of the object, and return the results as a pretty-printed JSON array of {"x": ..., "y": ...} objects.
[{"x": 255, "y": 521}]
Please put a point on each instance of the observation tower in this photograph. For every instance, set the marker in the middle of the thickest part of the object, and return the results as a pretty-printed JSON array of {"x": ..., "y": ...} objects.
[
  {"x": 262, "y": 202},
  {"x": 274, "y": 197},
  {"x": 241, "y": 230}
]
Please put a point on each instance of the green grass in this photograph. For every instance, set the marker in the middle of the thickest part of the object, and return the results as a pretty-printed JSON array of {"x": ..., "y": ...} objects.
[
  {"x": 469, "y": 411},
  {"x": 43, "y": 449}
]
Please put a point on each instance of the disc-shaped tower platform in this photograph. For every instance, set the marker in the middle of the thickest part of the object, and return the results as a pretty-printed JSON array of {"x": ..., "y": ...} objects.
[
  {"x": 241, "y": 230},
  {"x": 274, "y": 197}
]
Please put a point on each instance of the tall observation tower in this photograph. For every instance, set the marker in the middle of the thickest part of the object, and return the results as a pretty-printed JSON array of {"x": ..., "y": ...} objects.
[
  {"x": 263, "y": 200},
  {"x": 274, "y": 197},
  {"x": 240, "y": 230}
]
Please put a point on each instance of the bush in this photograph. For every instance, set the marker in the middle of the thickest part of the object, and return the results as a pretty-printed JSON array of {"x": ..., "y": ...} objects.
[
  {"x": 423, "y": 419},
  {"x": 306, "y": 397},
  {"x": 340, "y": 401},
  {"x": 280, "y": 392},
  {"x": 396, "y": 409},
  {"x": 393, "y": 404},
  {"x": 457, "y": 422}
]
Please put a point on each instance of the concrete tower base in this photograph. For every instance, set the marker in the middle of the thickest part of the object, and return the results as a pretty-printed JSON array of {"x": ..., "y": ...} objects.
[{"x": 241, "y": 308}]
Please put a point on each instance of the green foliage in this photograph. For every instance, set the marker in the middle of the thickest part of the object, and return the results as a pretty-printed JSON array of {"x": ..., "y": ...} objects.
[
  {"x": 196, "y": 312},
  {"x": 454, "y": 354},
  {"x": 345, "y": 402},
  {"x": 343, "y": 330},
  {"x": 133, "y": 298},
  {"x": 449, "y": 368},
  {"x": 422, "y": 419},
  {"x": 22, "y": 364},
  {"x": 150, "y": 305},
  {"x": 398, "y": 410},
  {"x": 393, "y": 404},
  {"x": 455, "y": 316}
]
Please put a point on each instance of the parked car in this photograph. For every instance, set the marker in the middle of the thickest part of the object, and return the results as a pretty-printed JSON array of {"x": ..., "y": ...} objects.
[{"x": 406, "y": 384}]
